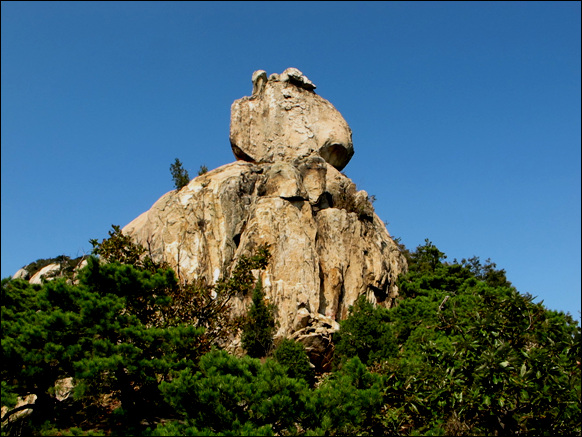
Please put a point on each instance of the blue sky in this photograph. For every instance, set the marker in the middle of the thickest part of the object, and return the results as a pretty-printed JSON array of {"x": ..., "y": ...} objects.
[{"x": 465, "y": 118}]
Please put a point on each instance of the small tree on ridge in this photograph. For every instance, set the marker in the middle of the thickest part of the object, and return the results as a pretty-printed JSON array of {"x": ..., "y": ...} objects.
[{"x": 179, "y": 174}]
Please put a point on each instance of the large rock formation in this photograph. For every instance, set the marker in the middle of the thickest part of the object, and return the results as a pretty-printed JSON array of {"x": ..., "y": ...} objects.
[
  {"x": 328, "y": 246},
  {"x": 284, "y": 120}
]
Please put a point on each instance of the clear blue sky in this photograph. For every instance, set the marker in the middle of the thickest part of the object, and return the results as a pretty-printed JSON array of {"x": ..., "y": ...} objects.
[{"x": 465, "y": 118}]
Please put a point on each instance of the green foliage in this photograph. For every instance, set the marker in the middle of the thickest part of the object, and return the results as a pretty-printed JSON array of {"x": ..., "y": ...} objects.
[
  {"x": 365, "y": 334},
  {"x": 259, "y": 325},
  {"x": 462, "y": 353},
  {"x": 241, "y": 280},
  {"x": 293, "y": 355},
  {"x": 230, "y": 395},
  {"x": 179, "y": 175},
  {"x": 347, "y": 402},
  {"x": 105, "y": 332},
  {"x": 203, "y": 170},
  {"x": 426, "y": 258},
  {"x": 242, "y": 396},
  {"x": 67, "y": 265},
  {"x": 476, "y": 356},
  {"x": 120, "y": 248},
  {"x": 123, "y": 326},
  {"x": 487, "y": 272}
]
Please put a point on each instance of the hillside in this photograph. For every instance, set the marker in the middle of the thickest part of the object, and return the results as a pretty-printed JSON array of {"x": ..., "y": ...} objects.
[{"x": 463, "y": 353}]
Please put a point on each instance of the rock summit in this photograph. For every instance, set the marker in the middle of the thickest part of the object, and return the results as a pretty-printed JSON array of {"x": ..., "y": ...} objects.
[
  {"x": 285, "y": 190},
  {"x": 285, "y": 120}
]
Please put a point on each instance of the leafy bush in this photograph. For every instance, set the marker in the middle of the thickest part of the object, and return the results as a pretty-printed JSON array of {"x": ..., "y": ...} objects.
[
  {"x": 463, "y": 353},
  {"x": 67, "y": 265},
  {"x": 120, "y": 248},
  {"x": 476, "y": 356},
  {"x": 203, "y": 170},
  {"x": 347, "y": 402},
  {"x": 243, "y": 396},
  {"x": 117, "y": 331},
  {"x": 104, "y": 332},
  {"x": 365, "y": 334}
]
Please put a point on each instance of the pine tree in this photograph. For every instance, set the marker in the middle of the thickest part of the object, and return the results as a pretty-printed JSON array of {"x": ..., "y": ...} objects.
[
  {"x": 259, "y": 326},
  {"x": 366, "y": 334},
  {"x": 179, "y": 174},
  {"x": 203, "y": 170}
]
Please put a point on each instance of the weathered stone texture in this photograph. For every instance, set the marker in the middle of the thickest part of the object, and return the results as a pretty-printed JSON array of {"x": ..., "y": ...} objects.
[
  {"x": 284, "y": 120},
  {"x": 46, "y": 272},
  {"x": 323, "y": 257}
]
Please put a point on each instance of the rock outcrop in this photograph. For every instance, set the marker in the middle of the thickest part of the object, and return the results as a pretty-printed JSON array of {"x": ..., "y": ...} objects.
[
  {"x": 284, "y": 120},
  {"x": 327, "y": 245},
  {"x": 52, "y": 268},
  {"x": 46, "y": 272}
]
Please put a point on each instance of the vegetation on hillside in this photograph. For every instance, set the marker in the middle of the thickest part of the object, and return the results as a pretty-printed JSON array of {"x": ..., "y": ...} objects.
[
  {"x": 463, "y": 353},
  {"x": 203, "y": 170},
  {"x": 66, "y": 264},
  {"x": 259, "y": 327}
]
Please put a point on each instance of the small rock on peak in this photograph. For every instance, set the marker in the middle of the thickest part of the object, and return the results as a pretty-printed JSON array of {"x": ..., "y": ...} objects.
[
  {"x": 259, "y": 81},
  {"x": 296, "y": 77}
]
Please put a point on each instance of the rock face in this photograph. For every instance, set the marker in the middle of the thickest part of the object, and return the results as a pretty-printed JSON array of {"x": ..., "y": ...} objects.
[
  {"x": 58, "y": 268},
  {"x": 327, "y": 245},
  {"x": 284, "y": 120},
  {"x": 45, "y": 272}
]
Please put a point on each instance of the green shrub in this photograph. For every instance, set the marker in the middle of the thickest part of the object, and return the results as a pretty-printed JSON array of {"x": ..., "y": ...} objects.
[
  {"x": 203, "y": 170},
  {"x": 476, "y": 356},
  {"x": 365, "y": 334},
  {"x": 234, "y": 396},
  {"x": 292, "y": 355},
  {"x": 347, "y": 402}
]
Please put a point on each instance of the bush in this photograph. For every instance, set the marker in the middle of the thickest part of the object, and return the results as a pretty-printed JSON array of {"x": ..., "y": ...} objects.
[
  {"x": 347, "y": 402},
  {"x": 203, "y": 170},
  {"x": 365, "y": 334},
  {"x": 293, "y": 355},
  {"x": 234, "y": 396},
  {"x": 476, "y": 356}
]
